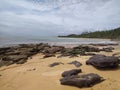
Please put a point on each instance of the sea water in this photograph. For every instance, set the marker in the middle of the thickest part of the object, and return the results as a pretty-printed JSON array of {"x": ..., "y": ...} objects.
[{"x": 10, "y": 40}]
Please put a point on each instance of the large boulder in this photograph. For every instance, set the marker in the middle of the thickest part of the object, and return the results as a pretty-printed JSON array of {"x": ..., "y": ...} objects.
[
  {"x": 102, "y": 61},
  {"x": 71, "y": 72},
  {"x": 80, "y": 81}
]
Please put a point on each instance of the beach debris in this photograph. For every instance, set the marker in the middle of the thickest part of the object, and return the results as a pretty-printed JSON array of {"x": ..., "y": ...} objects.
[
  {"x": 76, "y": 63},
  {"x": 86, "y": 80},
  {"x": 55, "y": 64},
  {"x": 71, "y": 72},
  {"x": 103, "y": 62}
]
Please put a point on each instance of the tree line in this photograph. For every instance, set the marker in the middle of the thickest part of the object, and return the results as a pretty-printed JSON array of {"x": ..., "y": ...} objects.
[{"x": 106, "y": 34}]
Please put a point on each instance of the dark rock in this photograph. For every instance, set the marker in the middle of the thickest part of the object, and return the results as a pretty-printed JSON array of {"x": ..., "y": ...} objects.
[
  {"x": 55, "y": 64},
  {"x": 72, "y": 52},
  {"x": 22, "y": 61},
  {"x": 14, "y": 58},
  {"x": 86, "y": 80},
  {"x": 12, "y": 53},
  {"x": 5, "y": 63},
  {"x": 102, "y": 61},
  {"x": 71, "y": 72},
  {"x": 48, "y": 55},
  {"x": 87, "y": 48},
  {"x": 108, "y": 49},
  {"x": 76, "y": 63},
  {"x": 4, "y": 50}
]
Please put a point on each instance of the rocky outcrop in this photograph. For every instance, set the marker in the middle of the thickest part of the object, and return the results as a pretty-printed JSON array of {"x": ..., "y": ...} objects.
[
  {"x": 79, "y": 50},
  {"x": 86, "y": 80},
  {"x": 103, "y": 62},
  {"x": 19, "y": 54},
  {"x": 76, "y": 63}
]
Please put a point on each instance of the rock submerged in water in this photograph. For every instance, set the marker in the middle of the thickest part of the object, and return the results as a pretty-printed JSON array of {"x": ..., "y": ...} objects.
[
  {"x": 86, "y": 80},
  {"x": 71, "y": 72},
  {"x": 103, "y": 62}
]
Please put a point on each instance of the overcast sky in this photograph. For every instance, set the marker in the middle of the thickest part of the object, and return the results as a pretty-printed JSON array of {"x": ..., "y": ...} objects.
[{"x": 57, "y": 17}]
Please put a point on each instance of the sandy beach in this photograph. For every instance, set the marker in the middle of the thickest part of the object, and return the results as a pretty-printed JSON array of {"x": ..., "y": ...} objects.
[{"x": 37, "y": 75}]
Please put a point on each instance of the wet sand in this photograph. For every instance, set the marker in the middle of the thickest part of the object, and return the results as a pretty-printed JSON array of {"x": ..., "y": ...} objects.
[{"x": 37, "y": 75}]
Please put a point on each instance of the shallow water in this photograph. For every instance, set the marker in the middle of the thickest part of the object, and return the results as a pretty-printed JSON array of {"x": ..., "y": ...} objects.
[{"x": 5, "y": 41}]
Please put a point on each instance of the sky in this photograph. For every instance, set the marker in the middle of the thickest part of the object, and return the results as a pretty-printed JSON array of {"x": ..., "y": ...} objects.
[{"x": 57, "y": 17}]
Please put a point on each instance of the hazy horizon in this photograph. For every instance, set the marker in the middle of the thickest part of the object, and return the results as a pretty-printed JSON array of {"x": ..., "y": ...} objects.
[{"x": 57, "y": 17}]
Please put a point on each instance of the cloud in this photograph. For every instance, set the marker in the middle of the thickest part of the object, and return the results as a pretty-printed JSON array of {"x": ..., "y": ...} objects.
[{"x": 54, "y": 17}]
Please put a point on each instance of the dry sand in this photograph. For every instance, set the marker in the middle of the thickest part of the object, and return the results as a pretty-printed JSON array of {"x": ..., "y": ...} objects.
[{"x": 37, "y": 75}]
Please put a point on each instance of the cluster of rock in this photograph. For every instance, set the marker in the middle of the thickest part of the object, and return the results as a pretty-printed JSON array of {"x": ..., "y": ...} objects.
[
  {"x": 19, "y": 54},
  {"x": 79, "y": 50},
  {"x": 72, "y": 78},
  {"x": 103, "y": 62}
]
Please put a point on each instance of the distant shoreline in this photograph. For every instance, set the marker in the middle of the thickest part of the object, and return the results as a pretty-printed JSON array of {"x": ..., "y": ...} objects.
[{"x": 113, "y": 34}]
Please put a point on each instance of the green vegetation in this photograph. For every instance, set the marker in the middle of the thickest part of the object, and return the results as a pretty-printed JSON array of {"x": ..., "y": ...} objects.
[{"x": 107, "y": 34}]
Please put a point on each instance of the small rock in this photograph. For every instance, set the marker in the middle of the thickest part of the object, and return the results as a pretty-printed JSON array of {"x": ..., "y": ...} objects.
[
  {"x": 48, "y": 55},
  {"x": 55, "y": 64},
  {"x": 76, "y": 63},
  {"x": 71, "y": 72}
]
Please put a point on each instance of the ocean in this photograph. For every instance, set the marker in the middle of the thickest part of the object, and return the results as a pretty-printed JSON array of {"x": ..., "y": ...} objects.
[{"x": 10, "y": 40}]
